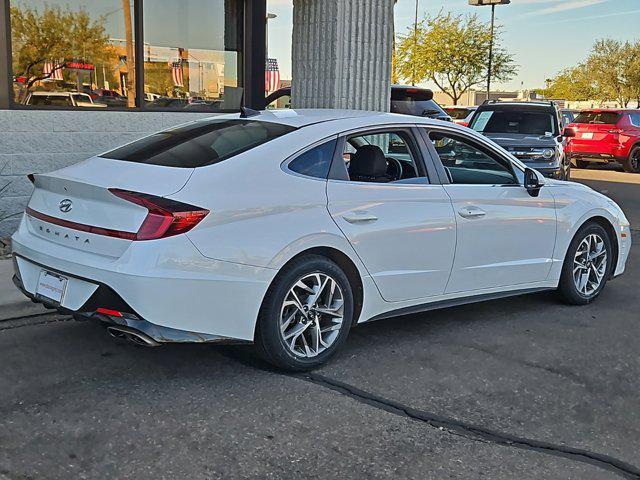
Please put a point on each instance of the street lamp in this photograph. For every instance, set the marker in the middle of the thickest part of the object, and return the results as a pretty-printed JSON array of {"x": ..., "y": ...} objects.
[
  {"x": 493, "y": 3},
  {"x": 270, "y": 16}
]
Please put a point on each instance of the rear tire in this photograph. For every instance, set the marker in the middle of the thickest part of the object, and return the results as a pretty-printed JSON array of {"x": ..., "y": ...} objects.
[
  {"x": 632, "y": 163},
  {"x": 582, "y": 163},
  {"x": 587, "y": 265},
  {"x": 298, "y": 328}
]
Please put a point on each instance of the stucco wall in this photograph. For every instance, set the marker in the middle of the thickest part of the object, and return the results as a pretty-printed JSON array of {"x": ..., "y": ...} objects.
[
  {"x": 342, "y": 54},
  {"x": 42, "y": 141}
]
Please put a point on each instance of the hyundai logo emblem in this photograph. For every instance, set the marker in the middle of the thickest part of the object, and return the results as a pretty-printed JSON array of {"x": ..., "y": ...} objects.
[{"x": 65, "y": 205}]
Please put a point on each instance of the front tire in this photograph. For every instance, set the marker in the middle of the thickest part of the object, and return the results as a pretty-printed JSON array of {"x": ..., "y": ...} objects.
[
  {"x": 306, "y": 315},
  {"x": 587, "y": 265},
  {"x": 632, "y": 164}
]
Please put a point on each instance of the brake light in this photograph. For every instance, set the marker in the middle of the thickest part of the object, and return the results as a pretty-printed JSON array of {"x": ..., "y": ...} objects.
[
  {"x": 165, "y": 217},
  {"x": 109, "y": 312}
]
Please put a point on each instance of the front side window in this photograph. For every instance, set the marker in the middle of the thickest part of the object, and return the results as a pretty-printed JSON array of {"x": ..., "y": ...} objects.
[
  {"x": 467, "y": 163},
  {"x": 315, "y": 162},
  {"x": 199, "y": 143},
  {"x": 382, "y": 157},
  {"x": 193, "y": 54},
  {"x": 519, "y": 121},
  {"x": 60, "y": 48}
]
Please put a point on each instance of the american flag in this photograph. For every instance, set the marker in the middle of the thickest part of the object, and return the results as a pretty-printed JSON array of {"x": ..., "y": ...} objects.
[
  {"x": 176, "y": 72},
  {"x": 272, "y": 76},
  {"x": 52, "y": 74}
]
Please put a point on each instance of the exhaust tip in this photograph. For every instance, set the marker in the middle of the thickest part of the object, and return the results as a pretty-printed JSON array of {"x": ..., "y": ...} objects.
[{"x": 132, "y": 335}]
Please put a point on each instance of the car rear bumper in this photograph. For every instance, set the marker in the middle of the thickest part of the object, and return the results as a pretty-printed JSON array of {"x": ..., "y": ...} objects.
[
  {"x": 169, "y": 285},
  {"x": 604, "y": 152}
]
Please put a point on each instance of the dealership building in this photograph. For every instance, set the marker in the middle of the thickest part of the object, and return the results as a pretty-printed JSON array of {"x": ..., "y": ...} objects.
[{"x": 80, "y": 77}]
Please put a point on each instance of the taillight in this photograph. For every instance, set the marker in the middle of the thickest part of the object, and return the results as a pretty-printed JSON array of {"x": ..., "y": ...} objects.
[{"x": 165, "y": 217}]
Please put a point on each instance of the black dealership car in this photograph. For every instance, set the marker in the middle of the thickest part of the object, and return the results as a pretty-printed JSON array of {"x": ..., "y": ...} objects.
[
  {"x": 404, "y": 99},
  {"x": 532, "y": 131}
]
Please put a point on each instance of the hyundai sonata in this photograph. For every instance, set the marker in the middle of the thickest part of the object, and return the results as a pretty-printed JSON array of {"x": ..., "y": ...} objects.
[{"x": 286, "y": 228}]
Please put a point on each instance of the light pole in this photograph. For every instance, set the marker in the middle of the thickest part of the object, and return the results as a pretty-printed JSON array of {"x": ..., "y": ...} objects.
[
  {"x": 493, "y": 3},
  {"x": 415, "y": 45},
  {"x": 270, "y": 16}
]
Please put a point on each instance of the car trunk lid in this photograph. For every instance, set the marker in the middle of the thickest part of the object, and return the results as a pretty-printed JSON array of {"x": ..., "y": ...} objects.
[{"x": 75, "y": 207}]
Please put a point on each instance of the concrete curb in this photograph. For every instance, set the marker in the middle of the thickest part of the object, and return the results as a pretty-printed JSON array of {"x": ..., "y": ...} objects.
[{"x": 13, "y": 304}]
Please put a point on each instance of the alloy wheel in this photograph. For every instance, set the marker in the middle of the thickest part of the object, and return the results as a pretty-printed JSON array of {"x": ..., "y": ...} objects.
[
  {"x": 590, "y": 264},
  {"x": 311, "y": 315}
]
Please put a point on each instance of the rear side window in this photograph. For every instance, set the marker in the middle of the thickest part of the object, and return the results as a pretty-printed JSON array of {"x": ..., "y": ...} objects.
[
  {"x": 315, "y": 162},
  {"x": 200, "y": 143},
  {"x": 604, "y": 118}
]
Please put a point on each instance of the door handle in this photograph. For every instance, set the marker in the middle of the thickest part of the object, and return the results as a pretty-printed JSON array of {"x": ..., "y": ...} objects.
[
  {"x": 359, "y": 218},
  {"x": 471, "y": 212}
]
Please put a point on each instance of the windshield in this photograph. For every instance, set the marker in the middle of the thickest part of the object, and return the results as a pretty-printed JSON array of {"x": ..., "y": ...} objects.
[
  {"x": 606, "y": 118},
  {"x": 515, "y": 121},
  {"x": 415, "y": 101},
  {"x": 200, "y": 143}
]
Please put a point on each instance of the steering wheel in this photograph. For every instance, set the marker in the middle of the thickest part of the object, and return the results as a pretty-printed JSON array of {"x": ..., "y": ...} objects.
[{"x": 394, "y": 168}]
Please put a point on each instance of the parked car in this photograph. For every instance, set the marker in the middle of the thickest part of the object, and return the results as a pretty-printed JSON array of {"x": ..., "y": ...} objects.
[
  {"x": 461, "y": 115},
  {"x": 531, "y": 131},
  {"x": 167, "y": 102},
  {"x": 286, "y": 228},
  {"x": 404, "y": 99},
  {"x": 568, "y": 116},
  {"x": 606, "y": 135},
  {"x": 111, "y": 98},
  {"x": 62, "y": 99}
]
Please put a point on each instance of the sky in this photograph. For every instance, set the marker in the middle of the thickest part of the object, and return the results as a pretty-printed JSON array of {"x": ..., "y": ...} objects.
[{"x": 545, "y": 36}]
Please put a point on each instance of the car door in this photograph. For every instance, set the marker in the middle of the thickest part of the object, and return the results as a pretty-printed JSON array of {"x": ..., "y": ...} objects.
[
  {"x": 505, "y": 237},
  {"x": 400, "y": 225}
]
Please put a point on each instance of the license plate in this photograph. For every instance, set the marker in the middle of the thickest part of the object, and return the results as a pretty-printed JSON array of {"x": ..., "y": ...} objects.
[
  {"x": 587, "y": 135},
  {"x": 51, "y": 286}
]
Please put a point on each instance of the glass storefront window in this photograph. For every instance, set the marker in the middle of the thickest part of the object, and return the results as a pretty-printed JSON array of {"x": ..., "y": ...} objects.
[
  {"x": 73, "y": 54},
  {"x": 193, "y": 54}
]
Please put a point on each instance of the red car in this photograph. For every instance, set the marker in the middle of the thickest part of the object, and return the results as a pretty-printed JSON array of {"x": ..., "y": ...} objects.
[
  {"x": 461, "y": 115},
  {"x": 603, "y": 136}
]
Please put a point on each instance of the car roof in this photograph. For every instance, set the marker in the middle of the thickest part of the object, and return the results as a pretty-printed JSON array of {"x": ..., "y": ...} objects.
[
  {"x": 518, "y": 104},
  {"x": 309, "y": 116},
  {"x": 610, "y": 110}
]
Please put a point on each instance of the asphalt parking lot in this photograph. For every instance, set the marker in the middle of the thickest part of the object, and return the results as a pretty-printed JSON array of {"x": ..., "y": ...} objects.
[{"x": 523, "y": 388}]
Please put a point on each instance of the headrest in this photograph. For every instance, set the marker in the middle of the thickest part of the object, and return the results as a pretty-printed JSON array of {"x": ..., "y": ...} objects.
[{"x": 368, "y": 161}]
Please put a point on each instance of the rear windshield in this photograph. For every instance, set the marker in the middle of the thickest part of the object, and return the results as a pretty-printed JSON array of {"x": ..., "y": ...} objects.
[
  {"x": 417, "y": 102},
  {"x": 515, "y": 121},
  {"x": 200, "y": 143},
  {"x": 458, "y": 113},
  {"x": 605, "y": 118}
]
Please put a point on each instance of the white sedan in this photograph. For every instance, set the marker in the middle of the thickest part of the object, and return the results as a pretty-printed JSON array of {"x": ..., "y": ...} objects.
[{"x": 286, "y": 228}]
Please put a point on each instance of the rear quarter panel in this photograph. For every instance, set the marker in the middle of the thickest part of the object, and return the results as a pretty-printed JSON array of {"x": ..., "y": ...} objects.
[{"x": 260, "y": 214}]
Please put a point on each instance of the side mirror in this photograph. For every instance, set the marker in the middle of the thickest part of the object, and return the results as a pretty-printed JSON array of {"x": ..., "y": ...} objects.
[
  {"x": 568, "y": 132},
  {"x": 533, "y": 182}
]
